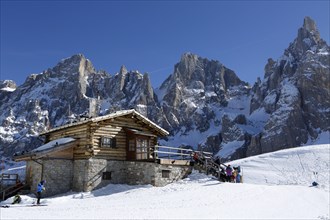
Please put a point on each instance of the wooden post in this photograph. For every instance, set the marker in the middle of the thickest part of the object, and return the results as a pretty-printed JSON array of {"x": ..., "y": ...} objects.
[
  {"x": 1, "y": 186},
  {"x": 207, "y": 170},
  {"x": 155, "y": 154},
  {"x": 2, "y": 165}
]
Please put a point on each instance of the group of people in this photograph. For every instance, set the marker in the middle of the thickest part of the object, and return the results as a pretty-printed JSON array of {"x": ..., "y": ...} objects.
[
  {"x": 226, "y": 173},
  {"x": 233, "y": 174}
]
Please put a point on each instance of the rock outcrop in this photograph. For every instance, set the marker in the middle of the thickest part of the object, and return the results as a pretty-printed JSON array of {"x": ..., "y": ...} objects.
[{"x": 294, "y": 93}]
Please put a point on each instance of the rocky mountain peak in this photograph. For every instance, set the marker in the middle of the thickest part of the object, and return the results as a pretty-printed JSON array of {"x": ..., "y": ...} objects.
[
  {"x": 309, "y": 31},
  {"x": 193, "y": 68},
  {"x": 76, "y": 62},
  {"x": 308, "y": 39},
  {"x": 122, "y": 70},
  {"x": 294, "y": 94},
  {"x": 6, "y": 88},
  {"x": 7, "y": 85},
  {"x": 309, "y": 24},
  {"x": 188, "y": 57},
  {"x": 186, "y": 67},
  {"x": 72, "y": 61}
]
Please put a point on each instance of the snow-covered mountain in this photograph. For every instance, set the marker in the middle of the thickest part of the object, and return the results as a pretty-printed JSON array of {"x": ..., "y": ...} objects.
[
  {"x": 196, "y": 98},
  {"x": 202, "y": 104},
  {"x": 294, "y": 95},
  {"x": 276, "y": 185}
]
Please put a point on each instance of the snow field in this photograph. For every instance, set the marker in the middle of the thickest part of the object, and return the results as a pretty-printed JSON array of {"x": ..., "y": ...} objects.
[{"x": 276, "y": 186}]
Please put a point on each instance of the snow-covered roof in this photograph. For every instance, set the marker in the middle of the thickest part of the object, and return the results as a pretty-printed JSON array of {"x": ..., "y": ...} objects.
[
  {"x": 54, "y": 143},
  {"x": 43, "y": 150},
  {"x": 114, "y": 115}
]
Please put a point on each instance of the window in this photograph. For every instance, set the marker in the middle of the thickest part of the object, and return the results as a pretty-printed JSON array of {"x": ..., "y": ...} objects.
[
  {"x": 166, "y": 173},
  {"x": 108, "y": 142},
  {"x": 142, "y": 146},
  {"x": 106, "y": 176}
]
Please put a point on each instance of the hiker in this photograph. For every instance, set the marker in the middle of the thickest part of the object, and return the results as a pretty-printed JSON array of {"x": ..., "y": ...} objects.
[
  {"x": 238, "y": 174},
  {"x": 17, "y": 199},
  {"x": 229, "y": 172},
  {"x": 234, "y": 175},
  {"x": 195, "y": 156},
  {"x": 198, "y": 158},
  {"x": 40, "y": 188},
  {"x": 238, "y": 178},
  {"x": 223, "y": 176}
]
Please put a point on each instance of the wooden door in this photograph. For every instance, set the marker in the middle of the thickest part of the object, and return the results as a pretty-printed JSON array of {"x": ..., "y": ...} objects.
[{"x": 131, "y": 148}]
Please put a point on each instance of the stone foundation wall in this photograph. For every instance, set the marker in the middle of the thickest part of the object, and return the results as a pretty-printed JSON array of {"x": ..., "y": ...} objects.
[
  {"x": 175, "y": 173},
  {"x": 124, "y": 172},
  {"x": 87, "y": 175},
  {"x": 33, "y": 174},
  {"x": 57, "y": 173},
  {"x": 79, "y": 175},
  {"x": 95, "y": 169}
]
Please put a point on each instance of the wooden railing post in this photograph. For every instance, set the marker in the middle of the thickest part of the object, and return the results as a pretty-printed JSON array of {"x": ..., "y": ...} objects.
[{"x": 155, "y": 150}]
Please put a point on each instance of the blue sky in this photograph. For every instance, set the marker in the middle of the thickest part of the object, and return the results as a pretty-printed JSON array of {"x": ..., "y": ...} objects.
[{"x": 151, "y": 36}]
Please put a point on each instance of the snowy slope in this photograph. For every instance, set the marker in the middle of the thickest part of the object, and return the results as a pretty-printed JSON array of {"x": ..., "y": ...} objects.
[
  {"x": 276, "y": 186},
  {"x": 296, "y": 166}
]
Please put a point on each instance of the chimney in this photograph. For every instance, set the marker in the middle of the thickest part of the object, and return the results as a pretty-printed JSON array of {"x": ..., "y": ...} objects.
[{"x": 94, "y": 106}]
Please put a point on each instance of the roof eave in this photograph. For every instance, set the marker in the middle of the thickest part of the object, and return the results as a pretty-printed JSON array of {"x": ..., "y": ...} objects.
[
  {"x": 160, "y": 130},
  {"x": 40, "y": 154},
  {"x": 24, "y": 157}
]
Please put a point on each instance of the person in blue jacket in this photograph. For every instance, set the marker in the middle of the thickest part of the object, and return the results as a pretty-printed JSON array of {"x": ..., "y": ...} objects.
[{"x": 40, "y": 188}]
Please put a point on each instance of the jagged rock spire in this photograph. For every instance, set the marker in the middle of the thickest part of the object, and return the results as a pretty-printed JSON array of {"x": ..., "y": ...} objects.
[
  {"x": 122, "y": 70},
  {"x": 309, "y": 30},
  {"x": 293, "y": 93},
  {"x": 309, "y": 24},
  {"x": 308, "y": 39}
]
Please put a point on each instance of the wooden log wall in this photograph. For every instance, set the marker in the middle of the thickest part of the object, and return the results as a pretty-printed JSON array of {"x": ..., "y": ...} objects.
[
  {"x": 80, "y": 132},
  {"x": 89, "y": 136},
  {"x": 115, "y": 128}
]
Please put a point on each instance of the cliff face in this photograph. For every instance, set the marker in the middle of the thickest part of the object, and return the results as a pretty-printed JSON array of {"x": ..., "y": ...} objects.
[
  {"x": 294, "y": 93},
  {"x": 196, "y": 91},
  {"x": 202, "y": 103}
]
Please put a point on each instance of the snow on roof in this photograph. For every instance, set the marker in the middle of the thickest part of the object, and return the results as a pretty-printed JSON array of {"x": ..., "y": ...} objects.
[
  {"x": 54, "y": 143},
  {"x": 113, "y": 115}
]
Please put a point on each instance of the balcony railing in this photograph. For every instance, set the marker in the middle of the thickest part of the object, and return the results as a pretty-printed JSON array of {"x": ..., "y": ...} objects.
[{"x": 175, "y": 153}]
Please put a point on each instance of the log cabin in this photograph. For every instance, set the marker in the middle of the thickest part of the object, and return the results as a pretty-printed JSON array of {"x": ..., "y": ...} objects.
[{"x": 119, "y": 148}]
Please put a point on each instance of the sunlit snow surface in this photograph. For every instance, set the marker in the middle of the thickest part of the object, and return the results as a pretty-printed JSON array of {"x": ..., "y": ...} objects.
[{"x": 276, "y": 186}]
